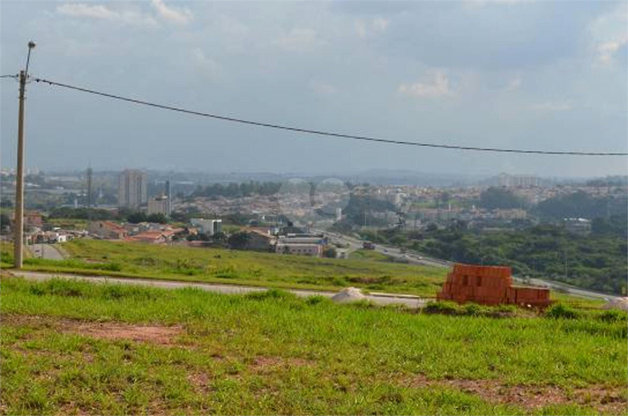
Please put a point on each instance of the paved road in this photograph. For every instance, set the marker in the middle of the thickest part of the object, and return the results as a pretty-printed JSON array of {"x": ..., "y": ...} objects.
[
  {"x": 393, "y": 252},
  {"x": 382, "y": 299},
  {"x": 45, "y": 251},
  {"x": 572, "y": 290}
]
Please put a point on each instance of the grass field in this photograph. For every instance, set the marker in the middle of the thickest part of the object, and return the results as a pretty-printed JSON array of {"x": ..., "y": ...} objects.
[
  {"x": 74, "y": 347},
  {"x": 243, "y": 267}
]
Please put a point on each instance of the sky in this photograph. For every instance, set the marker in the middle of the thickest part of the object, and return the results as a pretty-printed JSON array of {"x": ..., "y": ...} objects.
[{"x": 548, "y": 75}]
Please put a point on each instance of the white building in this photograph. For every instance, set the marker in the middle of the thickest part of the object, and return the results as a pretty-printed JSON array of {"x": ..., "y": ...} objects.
[
  {"x": 518, "y": 181},
  {"x": 315, "y": 250},
  {"x": 208, "y": 227},
  {"x": 580, "y": 226},
  {"x": 132, "y": 191},
  {"x": 159, "y": 205}
]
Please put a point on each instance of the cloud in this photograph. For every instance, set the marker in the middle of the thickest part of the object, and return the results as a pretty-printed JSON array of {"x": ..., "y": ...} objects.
[
  {"x": 380, "y": 24},
  {"x": 102, "y": 12},
  {"x": 83, "y": 10},
  {"x": 375, "y": 26},
  {"x": 482, "y": 3},
  {"x": 360, "y": 28},
  {"x": 208, "y": 67},
  {"x": 181, "y": 15},
  {"x": 322, "y": 88},
  {"x": 551, "y": 106},
  {"x": 514, "y": 83},
  {"x": 298, "y": 40},
  {"x": 608, "y": 35},
  {"x": 608, "y": 50},
  {"x": 438, "y": 86}
]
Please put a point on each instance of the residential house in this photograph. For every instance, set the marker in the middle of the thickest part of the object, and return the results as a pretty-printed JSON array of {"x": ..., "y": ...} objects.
[{"x": 107, "y": 230}]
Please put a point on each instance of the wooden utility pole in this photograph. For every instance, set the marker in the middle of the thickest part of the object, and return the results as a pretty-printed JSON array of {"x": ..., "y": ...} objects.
[{"x": 18, "y": 239}]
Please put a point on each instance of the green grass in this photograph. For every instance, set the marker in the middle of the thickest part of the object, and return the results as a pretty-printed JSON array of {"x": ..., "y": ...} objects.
[
  {"x": 276, "y": 354},
  {"x": 242, "y": 267},
  {"x": 369, "y": 255}
]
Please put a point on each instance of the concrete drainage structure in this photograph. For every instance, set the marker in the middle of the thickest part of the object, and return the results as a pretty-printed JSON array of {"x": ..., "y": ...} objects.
[{"x": 490, "y": 285}]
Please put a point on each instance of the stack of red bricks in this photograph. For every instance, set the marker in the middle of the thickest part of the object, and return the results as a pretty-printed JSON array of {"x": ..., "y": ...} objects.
[{"x": 489, "y": 285}]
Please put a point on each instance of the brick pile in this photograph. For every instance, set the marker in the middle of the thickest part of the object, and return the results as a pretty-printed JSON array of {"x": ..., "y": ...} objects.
[{"x": 489, "y": 285}]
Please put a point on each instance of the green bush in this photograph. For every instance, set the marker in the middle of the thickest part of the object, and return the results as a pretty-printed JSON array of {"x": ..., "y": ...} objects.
[
  {"x": 6, "y": 258},
  {"x": 563, "y": 311},
  {"x": 506, "y": 308},
  {"x": 613, "y": 315},
  {"x": 445, "y": 308},
  {"x": 316, "y": 300},
  {"x": 58, "y": 287},
  {"x": 473, "y": 309},
  {"x": 273, "y": 294}
]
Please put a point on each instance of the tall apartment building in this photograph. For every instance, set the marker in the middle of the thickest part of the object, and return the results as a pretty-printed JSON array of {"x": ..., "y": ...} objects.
[
  {"x": 132, "y": 189},
  {"x": 159, "y": 205},
  {"x": 518, "y": 181}
]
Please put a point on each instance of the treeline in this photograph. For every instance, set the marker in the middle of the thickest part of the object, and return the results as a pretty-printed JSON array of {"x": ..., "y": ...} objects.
[
  {"x": 581, "y": 205},
  {"x": 96, "y": 214},
  {"x": 361, "y": 210},
  {"x": 597, "y": 261},
  {"x": 500, "y": 198}
]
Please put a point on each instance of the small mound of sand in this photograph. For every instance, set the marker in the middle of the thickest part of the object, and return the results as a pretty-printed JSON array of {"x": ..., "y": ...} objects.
[
  {"x": 350, "y": 294},
  {"x": 619, "y": 303}
]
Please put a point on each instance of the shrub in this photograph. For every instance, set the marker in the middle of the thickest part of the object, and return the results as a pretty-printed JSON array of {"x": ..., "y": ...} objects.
[
  {"x": 363, "y": 304},
  {"x": 59, "y": 287},
  {"x": 273, "y": 294},
  {"x": 316, "y": 300},
  {"x": 445, "y": 308},
  {"x": 506, "y": 308},
  {"x": 563, "y": 311},
  {"x": 613, "y": 315},
  {"x": 473, "y": 309}
]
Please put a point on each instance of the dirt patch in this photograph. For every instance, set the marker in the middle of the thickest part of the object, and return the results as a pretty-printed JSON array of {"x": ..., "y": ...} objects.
[
  {"x": 606, "y": 399},
  {"x": 260, "y": 364},
  {"x": 163, "y": 335},
  {"x": 201, "y": 382}
]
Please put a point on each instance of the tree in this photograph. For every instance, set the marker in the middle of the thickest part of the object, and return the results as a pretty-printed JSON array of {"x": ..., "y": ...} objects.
[
  {"x": 4, "y": 222},
  {"x": 330, "y": 252},
  {"x": 431, "y": 228},
  {"x": 239, "y": 240},
  {"x": 179, "y": 217},
  {"x": 137, "y": 217},
  {"x": 500, "y": 198},
  {"x": 159, "y": 218},
  {"x": 219, "y": 237}
]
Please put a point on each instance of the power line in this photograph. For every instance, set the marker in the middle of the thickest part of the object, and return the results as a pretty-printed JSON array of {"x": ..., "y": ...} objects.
[
  {"x": 321, "y": 132},
  {"x": 8, "y": 76}
]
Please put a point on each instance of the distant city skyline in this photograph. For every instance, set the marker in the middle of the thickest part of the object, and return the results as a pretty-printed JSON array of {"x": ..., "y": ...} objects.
[{"x": 476, "y": 73}]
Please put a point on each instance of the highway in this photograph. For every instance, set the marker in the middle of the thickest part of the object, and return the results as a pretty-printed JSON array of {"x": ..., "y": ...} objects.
[{"x": 394, "y": 252}]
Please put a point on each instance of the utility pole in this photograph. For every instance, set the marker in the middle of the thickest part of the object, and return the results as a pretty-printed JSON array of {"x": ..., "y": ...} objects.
[
  {"x": 18, "y": 240},
  {"x": 89, "y": 192}
]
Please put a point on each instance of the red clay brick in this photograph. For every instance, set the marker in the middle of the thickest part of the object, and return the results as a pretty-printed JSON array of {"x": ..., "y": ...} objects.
[{"x": 489, "y": 285}]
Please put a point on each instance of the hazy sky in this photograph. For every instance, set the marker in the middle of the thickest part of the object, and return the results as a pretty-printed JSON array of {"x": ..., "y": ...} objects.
[{"x": 522, "y": 74}]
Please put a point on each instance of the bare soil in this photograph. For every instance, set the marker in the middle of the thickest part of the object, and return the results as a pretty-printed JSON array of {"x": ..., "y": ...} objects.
[
  {"x": 607, "y": 399},
  {"x": 162, "y": 335}
]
